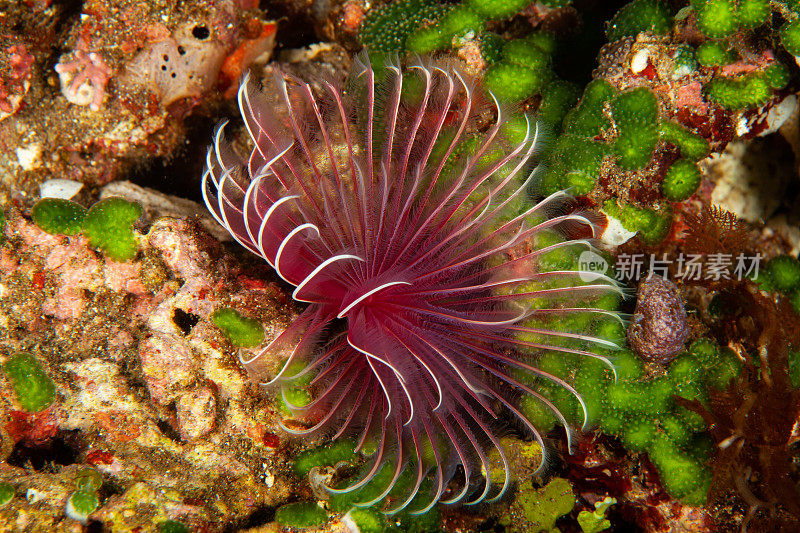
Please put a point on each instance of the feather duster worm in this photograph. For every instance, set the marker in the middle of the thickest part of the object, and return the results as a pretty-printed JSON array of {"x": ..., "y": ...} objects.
[{"x": 396, "y": 205}]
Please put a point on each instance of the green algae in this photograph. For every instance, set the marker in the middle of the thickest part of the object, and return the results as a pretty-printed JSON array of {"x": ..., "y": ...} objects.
[
  {"x": 82, "y": 503},
  {"x": 681, "y": 180},
  {"x": 784, "y": 273},
  {"x": 496, "y": 9},
  {"x": 636, "y": 115},
  {"x": 172, "y": 526},
  {"x": 790, "y": 37},
  {"x": 6, "y": 493},
  {"x": 367, "y": 520},
  {"x": 714, "y": 54},
  {"x": 58, "y": 217},
  {"x": 241, "y": 331},
  {"x": 387, "y": 27},
  {"x": 596, "y": 521},
  {"x": 34, "y": 389},
  {"x": 301, "y": 515},
  {"x": 326, "y": 455},
  {"x": 651, "y": 226},
  {"x": 109, "y": 227},
  {"x": 541, "y": 507},
  {"x": 741, "y": 92},
  {"x": 691, "y": 146},
  {"x": 638, "y": 16}
]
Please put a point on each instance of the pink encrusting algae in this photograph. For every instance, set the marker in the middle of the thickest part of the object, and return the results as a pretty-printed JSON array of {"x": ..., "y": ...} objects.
[{"x": 398, "y": 212}]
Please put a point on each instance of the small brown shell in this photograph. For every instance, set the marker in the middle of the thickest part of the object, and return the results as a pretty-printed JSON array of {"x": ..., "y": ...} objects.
[{"x": 658, "y": 330}]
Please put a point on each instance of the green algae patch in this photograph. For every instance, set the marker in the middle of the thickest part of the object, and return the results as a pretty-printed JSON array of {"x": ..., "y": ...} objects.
[
  {"x": 172, "y": 526},
  {"x": 636, "y": 114},
  {"x": 496, "y": 9},
  {"x": 88, "y": 479},
  {"x": 651, "y": 16},
  {"x": 790, "y": 37},
  {"x": 81, "y": 504},
  {"x": 742, "y": 92},
  {"x": 6, "y": 493},
  {"x": 367, "y": 520},
  {"x": 540, "y": 508},
  {"x": 387, "y": 27},
  {"x": 34, "y": 389},
  {"x": 714, "y": 54},
  {"x": 784, "y": 272},
  {"x": 558, "y": 97},
  {"x": 241, "y": 331},
  {"x": 681, "y": 180},
  {"x": 651, "y": 225},
  {"x": 752, "y": 13},
  {"x": 58, "y": 217},
  {"x": 716, "y": 18},
  {"x": 513, "y": 83},
  {"x": 109, "y": 227},
  {"x": 301, "y": 514},
  {"x": 327, "y": 455},
  {"x": 777, "y": 75},
  {"x": 596, "y": 521},
  {"x": 692, "y": 146}
]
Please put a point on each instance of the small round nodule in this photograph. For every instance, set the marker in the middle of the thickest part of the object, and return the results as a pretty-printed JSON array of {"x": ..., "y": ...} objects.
[{"x": 658, "y": 330}]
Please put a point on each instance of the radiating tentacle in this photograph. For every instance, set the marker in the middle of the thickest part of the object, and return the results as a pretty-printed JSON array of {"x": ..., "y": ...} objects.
[{"x": 391, "y": 206}]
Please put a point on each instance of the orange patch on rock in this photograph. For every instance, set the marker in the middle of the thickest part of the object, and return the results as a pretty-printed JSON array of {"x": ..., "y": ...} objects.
[
  {"x": 117, "y": 425},
  {"x": 236, "y": 63}
]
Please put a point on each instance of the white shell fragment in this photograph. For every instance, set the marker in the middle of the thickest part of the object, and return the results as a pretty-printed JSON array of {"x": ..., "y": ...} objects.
[
  {"x": 615, "y": 234},
  {"x": 28, "y": 156},
  {"x": 60, "y": 188},
  {"x": 639, "y": 60}
]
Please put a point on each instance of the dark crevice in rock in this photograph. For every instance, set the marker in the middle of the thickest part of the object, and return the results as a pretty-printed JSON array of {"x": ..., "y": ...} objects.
[
  {"x": 63, "y": 449},
  {"x": 185, "y": 321}
]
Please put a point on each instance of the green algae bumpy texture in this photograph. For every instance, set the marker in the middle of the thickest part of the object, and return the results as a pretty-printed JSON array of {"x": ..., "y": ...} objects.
[
  {"x": 741, "y": 92},
  {"x": 367, "y": 520},
  {"x": 387, "y": 27},
  {"x": 241, "y": 331},
  {"x": 640, "y": 16},
  {"x": 523, "y": 68},
  {"x": 681, "y": 180},
  {"x": 596, "y": 521},
  {"x": 109, "y": 226},
  {"x": 642, "y": 412},
  {"x": 58, "y": 217},
  {"x": 575, "y": 158},
  {"x": 716, "y": 18},
  {"x": 690, "y": 145},
  {"x": 497, "y": 9},
  {"x": 83, "y": 503},
  {"x": 714, "y": 54},
  {"x": 301, "y": 515},
  {"x": 651, "y": 225},
  {"x": 636, "y": 115},
  {"x": 537, "y": 509},
  {"x": 6, "y": 493},
  {"x": 172, "y": 526},
  {"x": 790, "y": 37},
  {"x": 784, "y": 273},
  {"x": 34, "y": 389},
  {"x": 327, "y": 455}
]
